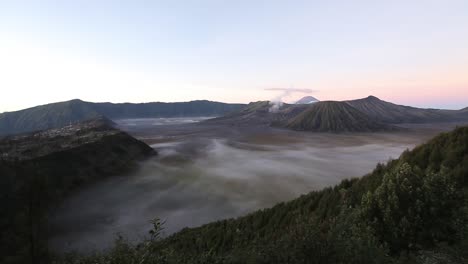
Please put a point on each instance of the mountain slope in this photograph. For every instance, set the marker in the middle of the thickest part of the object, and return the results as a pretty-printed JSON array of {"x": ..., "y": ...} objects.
[
  {"x": 362, "y": 115},
  {"x": 331, "y": 116},
  {"x": 39, "y": 169},
  {"x": 256, "y": 113},
  {"x": 259, "y": 114},
  {"x": 392, "y": 113},
  {"x": 159, "y": 109},
  {"x": 63, "y": 113},
  {"x": 411, "y": 210},
  {"x": 45, "y": 117}
]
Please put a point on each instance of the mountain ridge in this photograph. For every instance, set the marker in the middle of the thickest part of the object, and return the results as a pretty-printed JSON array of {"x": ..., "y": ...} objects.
[
  {"x": 387, "y": 112},
  {"x": 59, "y": 114},
  {"x": 368, "y": 114},
  {"x": 334, "y": 116}
]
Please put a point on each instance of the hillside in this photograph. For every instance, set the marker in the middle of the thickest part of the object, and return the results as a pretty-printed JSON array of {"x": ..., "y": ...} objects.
[
  {"x": 39, "y": 169},
  {"x": 377, "y": 111},
  {"x": 45, "y": 117},
  {"x": 256, "y": 113},
  {"x": 394, "y": 114},
  {"x": 331, "y": 116},
  {"x": 159, "y": 109},
  {"x": 63, "y": 113},
  {"x": 363, "y": 115},
  {"x": 259, "y": 114},
  {"x": 411, "y": 210}
]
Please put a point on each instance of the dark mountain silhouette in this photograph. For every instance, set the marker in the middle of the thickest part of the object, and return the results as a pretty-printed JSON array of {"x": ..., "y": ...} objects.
[
  {"x": 260, "y": 113},
  {"x": 39, "y": 169},
  {"x": 159, "y": 109},
  {"x": 332, "y": 116},
  {"x": 256, "y": 113},
  {"x": 39, "y": 144},
  {"x": 392, "y": 113},
  {"x": 361, "y": 115},
  {"x": 45, "y": 117},
  {"x": 63, "y": 113}
]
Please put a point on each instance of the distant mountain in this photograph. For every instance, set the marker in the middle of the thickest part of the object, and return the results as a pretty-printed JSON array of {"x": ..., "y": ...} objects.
[
  {"x": 256, "y": 113},
  {"x": 371, "y": 108},
  {"x": 332, "y": 116},
  {"x": 63, "y": 113},
  {"x": 395, "y": 114},
  {"x": 307, "y": 100},
  {"x": 324, "y": 116},
  {"x": 259, "y": 114},
  {"x": 362, "y": 115},
  {"x": 45, "y": 117},
  {"x": 159, "y": 109}
]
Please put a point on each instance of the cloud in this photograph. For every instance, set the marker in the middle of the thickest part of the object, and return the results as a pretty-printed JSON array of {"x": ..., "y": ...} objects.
[
  {"x": 277, "y": 101},
  {"x": 291, "y": 90}
]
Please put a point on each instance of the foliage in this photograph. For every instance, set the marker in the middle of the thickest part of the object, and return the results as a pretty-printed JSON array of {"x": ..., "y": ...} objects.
[
  {"x": 29, "y": 188},
  {"x": 124, "y": 252},
  {"x": 410, "y": 210},
  {"x": 413, "y": 209}
]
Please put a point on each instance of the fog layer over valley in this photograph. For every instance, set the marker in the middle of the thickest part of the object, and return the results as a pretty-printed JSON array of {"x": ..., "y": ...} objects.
[
  {"x": 141, "y": 123},
  {"x": 205, "y": 173}
]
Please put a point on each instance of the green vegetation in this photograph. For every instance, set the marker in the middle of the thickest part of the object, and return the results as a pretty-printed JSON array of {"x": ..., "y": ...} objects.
[
  {"x": 410, "y": 210},
  {"x": 40, "y": 169},
  {"x": 63, "y": 113}
]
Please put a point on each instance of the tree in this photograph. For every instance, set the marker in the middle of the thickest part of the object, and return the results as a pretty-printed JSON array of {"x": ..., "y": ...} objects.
[{"x": 411, "y": 209}]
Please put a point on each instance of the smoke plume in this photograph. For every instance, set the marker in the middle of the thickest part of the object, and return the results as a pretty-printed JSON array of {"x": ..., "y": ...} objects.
[{"x": 277, "y": 101}]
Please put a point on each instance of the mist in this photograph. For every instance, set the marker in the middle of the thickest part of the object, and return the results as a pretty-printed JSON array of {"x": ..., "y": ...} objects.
[{"x": 198, "y": 178}]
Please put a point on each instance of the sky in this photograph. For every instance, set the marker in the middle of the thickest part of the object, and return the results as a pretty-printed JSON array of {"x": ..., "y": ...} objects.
[{"x": 408, "y": 52}]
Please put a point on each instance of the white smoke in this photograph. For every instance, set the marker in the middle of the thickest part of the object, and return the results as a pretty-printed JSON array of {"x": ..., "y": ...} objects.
[{"x": 277, "y": 101}]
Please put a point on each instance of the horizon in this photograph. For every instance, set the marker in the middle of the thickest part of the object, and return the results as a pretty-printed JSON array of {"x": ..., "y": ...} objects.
[
  {"x": 292, "y": 102},
  {"x": 405, "y": 53}
]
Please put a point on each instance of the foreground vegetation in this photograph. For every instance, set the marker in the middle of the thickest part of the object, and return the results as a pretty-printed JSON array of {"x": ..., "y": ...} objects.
[
  {"x": 38, "y": 170},
  {"x": 410, "y": 210}
]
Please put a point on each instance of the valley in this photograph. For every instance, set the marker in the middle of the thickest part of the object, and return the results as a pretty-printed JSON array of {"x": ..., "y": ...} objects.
[
  {"x": 233, "y": 132},
  {"x": 205, "y": 172},
  {"x": 79, "y": 187}
]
